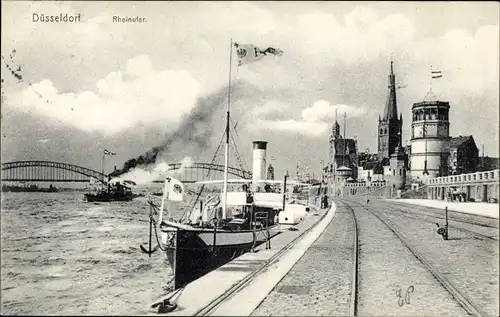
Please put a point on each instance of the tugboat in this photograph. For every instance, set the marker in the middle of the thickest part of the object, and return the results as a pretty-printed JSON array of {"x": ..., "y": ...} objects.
[{"x": 117, "y": 190}]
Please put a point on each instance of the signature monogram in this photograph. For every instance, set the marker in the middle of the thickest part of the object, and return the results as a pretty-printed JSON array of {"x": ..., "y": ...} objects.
[{"x": 406, "y": 299}]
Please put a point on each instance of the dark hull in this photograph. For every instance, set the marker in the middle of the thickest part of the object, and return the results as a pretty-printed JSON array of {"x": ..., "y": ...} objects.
[
  {"x": 193, "y": 258},
  {"x": 108, "y": 197}
]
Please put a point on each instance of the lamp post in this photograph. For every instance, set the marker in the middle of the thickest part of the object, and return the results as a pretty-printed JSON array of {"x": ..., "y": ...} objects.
[{"x": 284, "y": 189}]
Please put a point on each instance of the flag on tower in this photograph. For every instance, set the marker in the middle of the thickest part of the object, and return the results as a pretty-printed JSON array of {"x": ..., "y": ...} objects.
[
  {"x": 106, "y": 152},
  {"x": 249, "y": 53},
  {"x": 436, "y": 74}
]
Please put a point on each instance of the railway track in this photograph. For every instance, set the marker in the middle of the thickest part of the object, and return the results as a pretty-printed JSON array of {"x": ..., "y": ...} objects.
[
  {"x": 353, "y": 307},
  {"x": 416, "y": 215},
  {"x": 459, "y": 298},
  {"x": 451, "y": 216},
  {"x": 217, "y": 302}
]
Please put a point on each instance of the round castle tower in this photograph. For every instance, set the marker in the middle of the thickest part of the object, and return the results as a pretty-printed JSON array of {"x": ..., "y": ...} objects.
[{"x": 430, "y": 134}]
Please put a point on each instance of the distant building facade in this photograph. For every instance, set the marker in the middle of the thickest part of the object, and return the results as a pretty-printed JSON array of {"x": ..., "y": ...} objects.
[
  {"x": 463, "y": 157},
  {"x": 486, "y": 163},
  {"x": 398, "y": 168},
  {"x": 343, "y": 152}
]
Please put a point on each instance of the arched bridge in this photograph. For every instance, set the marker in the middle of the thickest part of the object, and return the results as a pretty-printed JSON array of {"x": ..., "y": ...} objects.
[{"x": 46, "y": 171}]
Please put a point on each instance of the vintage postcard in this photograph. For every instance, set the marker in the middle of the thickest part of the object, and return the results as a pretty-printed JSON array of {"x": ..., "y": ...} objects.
[{"x": 314, "y": 158}]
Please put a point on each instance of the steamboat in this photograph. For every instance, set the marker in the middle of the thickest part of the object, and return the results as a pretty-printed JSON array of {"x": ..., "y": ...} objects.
[{"x": 220, "y": 227}]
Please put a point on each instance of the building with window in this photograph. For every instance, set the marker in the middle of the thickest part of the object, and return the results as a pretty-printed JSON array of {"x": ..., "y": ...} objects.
[{"x": 463, "y": 156}]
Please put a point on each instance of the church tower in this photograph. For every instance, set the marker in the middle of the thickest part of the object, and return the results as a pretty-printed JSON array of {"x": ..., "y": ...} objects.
[
  {"x": 398, "y": 168},
  {"x": 334, "y": 137},
  {"x": 389, "y": 126}
]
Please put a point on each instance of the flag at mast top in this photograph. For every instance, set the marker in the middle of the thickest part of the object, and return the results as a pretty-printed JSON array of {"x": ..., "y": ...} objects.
[
  {"x": 436, "y": 74},
  {"x": 249, "y": 53}
]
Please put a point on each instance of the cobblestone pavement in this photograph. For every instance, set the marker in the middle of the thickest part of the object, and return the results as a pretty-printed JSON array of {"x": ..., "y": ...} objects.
[
  {"x": 392, "y": 281},
  {"x": 319, "y": 283},
  {"x": 469, "y": 263}
]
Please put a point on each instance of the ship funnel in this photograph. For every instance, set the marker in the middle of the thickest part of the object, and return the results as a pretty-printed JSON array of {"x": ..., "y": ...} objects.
[{"x": 259, "y": 161}]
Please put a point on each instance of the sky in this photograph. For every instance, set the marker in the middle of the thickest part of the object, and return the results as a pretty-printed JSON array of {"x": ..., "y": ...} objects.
[{"x": 129, "y": 87}]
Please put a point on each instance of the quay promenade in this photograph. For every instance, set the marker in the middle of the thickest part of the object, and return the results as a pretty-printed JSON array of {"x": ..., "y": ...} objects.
[
  {"x": 483, "y": 209},
  {"x": 391, "y": 276},
  {"x": 379, "y": 258}
]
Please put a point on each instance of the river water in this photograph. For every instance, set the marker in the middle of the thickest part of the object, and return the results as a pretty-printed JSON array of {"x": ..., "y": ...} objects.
[{"x": 61, "y": 255}]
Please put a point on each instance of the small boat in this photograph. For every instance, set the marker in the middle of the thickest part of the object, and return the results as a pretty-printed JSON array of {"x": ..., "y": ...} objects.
[
  {"x": 107, "y": 197},
  {"x": 117, "y": 190}
]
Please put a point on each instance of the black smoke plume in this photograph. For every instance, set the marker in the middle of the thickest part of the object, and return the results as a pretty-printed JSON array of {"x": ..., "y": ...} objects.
[{"x": 195, "y": 131}]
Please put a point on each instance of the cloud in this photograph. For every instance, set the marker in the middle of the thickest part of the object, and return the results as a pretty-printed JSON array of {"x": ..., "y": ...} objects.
[
  {"x": 363, "y": 34},
  {"x": 273, "y": 109},
  {"x": 122, "y": 100},
  {"x": 315, "y": 120},
  {"x": 313, "y": 129},
  {"x": 470, "y": 62},
  {"x": 322, "y": 111}
]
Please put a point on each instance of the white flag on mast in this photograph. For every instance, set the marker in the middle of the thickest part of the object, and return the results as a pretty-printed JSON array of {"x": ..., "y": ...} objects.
[
  {"x": 175, "y": 189},
  {"x": 249, "y": 53}
]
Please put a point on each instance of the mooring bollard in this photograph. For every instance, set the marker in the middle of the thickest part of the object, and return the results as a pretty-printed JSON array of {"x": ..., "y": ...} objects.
[{"x": 443, "y": 231}]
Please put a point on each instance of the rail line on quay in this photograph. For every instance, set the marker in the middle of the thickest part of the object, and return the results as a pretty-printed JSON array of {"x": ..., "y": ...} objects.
[
  {"x": 459, "y": 298},
  {"x": 452, "y": 217},
  {"x": 217, "y": 302},
  {"x": 353, "y": 305},
  {"x": 406, "y": 213},
  {"x": 353, "y": 311}
]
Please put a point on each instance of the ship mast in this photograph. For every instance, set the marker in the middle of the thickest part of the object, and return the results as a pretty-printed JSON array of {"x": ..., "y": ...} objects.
[
  {"x": 226, "y": 154},
  {"x": 344, "y": 148},
  {"x": 103, "y": 175}
]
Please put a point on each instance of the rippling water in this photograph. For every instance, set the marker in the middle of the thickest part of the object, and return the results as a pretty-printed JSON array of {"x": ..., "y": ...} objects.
[{"x": 64, "y": 256}]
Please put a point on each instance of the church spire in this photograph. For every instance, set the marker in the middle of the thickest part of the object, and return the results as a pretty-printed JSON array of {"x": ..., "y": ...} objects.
[
  {"x": 336, "y": 127},
  {"x": 391, "y": 106}
]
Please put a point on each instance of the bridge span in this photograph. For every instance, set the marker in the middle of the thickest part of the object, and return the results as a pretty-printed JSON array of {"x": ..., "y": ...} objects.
[{"x": 47, "y": 171}]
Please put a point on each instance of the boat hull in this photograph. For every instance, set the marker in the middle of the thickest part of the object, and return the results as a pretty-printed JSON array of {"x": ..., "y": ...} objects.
[
  {"x": 197, "y": 253},
  {"x": 108, "y": 198}
]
